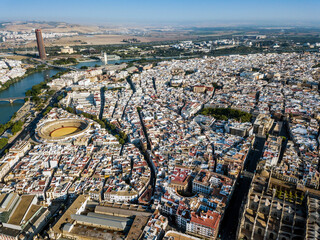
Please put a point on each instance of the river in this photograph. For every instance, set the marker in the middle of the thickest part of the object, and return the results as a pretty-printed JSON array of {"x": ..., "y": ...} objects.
[
  {"x": 19, "y": 89},
  {"x": 99, "y": 63}
]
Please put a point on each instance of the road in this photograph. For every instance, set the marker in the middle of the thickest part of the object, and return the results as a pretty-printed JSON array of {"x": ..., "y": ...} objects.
[
  {"x": 284, "y": 132},
  {"x": 146, "y": 155},
  {"x": 229, "y": 224},
  {"x": 103, "y": 102}
]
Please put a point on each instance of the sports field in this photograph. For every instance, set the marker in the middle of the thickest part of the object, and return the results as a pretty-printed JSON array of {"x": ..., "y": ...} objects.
[{"x": 64, "y": 131}]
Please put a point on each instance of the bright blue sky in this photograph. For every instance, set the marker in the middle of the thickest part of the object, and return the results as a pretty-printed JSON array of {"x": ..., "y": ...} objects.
[{"x": 163, "y": 11}]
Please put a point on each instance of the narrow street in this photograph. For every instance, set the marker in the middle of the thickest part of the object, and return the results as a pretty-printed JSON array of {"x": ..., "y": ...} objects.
[
  {"x": 229, "y": 224},
  {"x": 285, "y": 133},
  {"x": 103, "y": 102},
  {"x": 143, "y": 151},
  {"x": 154, "y": 84},
  {"x": 146, "y": 155},
  {"x": 131, "y": 84}
]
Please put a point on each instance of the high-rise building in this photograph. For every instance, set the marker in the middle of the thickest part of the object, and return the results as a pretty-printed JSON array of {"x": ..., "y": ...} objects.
[{"x": 40, "y": 43}]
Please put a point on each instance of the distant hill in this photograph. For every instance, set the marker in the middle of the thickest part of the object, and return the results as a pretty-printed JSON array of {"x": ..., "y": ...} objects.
[{"x": 48, "y": 27}]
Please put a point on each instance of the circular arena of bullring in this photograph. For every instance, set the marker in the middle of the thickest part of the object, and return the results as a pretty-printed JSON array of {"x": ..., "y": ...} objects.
[{"x": 61, "y": 130}]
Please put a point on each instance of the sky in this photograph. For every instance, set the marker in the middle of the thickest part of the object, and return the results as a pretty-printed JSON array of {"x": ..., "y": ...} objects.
[{"x": 190, "y": 12}]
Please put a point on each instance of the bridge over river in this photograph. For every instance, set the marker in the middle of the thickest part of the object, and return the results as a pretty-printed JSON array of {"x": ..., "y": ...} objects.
[
  {"x": 11, "y": 99},
  {"x": 62, "y": 66}
]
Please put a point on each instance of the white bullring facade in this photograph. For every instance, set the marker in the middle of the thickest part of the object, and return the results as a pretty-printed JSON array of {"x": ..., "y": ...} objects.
[{"x": 44, "y": 130}]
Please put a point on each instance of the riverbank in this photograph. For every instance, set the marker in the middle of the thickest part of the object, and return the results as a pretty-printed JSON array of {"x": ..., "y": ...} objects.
[
  {"x": 19, "y": 89},
  {"x": 29, "y": 72},
  {"x": 23, "y": 116}
]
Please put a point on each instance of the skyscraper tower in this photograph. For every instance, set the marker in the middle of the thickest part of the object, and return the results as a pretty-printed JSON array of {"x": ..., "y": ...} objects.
[{"x": 40, "y": 43}]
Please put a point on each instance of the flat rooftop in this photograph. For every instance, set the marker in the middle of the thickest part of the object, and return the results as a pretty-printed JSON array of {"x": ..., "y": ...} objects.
[
  {"x": 66, "y": 217},
  {"x": 117, "y": 211},
  {"x": 137, "y": 227},
  {"x": 21, "y": 209}
]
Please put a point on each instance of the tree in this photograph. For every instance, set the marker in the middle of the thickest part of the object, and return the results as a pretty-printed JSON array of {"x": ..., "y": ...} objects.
[
  {"x": 29, "y": 93},
  {"x": 59, "y": 97},
  {"x": 51, "y": 92},
  {"x": 48, "y": 109},
  {"x": 188, "y": 72},
  {"x": 102, "y": 124},
  {"x": 227, "y": 113},
  {"x": 70, "y": 109},
  {"x": 36, "y": 99},
  {"x": 65, "y": 61},
  {"x": 17, "y": 126},
  {"x": 3, "y": 142}
]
